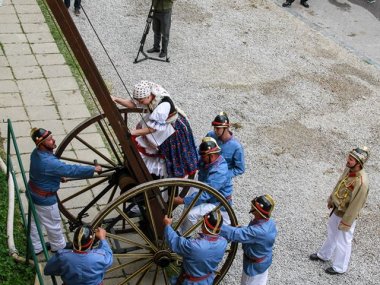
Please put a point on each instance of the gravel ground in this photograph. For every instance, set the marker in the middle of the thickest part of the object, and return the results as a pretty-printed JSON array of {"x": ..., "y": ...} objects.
[{"x": 299, "y": 100}]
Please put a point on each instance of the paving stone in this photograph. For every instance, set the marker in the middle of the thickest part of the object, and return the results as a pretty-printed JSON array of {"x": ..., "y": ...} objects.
[
  {"x": 10, "y": 28},
  {"x": 94, "y": 139},
  {"x": 37, "y": 113},
  {"x": 50, "y": 59},
  {"x": 7, "y": 9},
  {"x": 25, "y": 158},
  {"x": 28, "y": 9},
  {"x": 70, "y": 124},
  {"x": 79, "y": 201},
  {"x": 37, "y": 99},
  {"x": 5, "y": 73},
  {"x": 27, "y": 72},
  {"x": 45, "y": 48},
  {"x": 89, "y": 155},
  {"x": 3, "y": 61},
  {"x": 40, "y": 37},
  {"x": 8, "y": 86},
  {"x": 13, "y": 38},
  {"x": 24, "y": 2},
  {"x": 62, "y": 83},
  {"x": 9, "y": 19},
  {"x": 56, "y": 70},
  {"x": 73, "y": 111},
  {"x": 55, "y": 126},
  {"x": 20, "y": 129},
  {"x": 33, "y": 85},
  {"x": 71, "y": 97},
  {"x": 13, "y": 113},
  {"x": 35, "y": 28},
  {"x": 17, "y": 49},
  {"x": 31, "y": 18},
  {"x": 10, "y": 100},
  {"x": 25, "y": 146},
  {"x": 22, "y": 60}
]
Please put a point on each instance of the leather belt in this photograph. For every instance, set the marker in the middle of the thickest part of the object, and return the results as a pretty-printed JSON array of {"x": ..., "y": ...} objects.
[{"x": 38, "y": 191}]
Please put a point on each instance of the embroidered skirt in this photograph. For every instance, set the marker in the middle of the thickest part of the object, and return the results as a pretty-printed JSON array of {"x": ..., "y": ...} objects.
[{"x": 179, "y": 149}]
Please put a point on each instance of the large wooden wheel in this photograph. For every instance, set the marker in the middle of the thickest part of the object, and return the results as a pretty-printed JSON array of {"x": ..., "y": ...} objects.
[
  {"x": 141, "y": 255},
  {"x": 81, "y": 199}
]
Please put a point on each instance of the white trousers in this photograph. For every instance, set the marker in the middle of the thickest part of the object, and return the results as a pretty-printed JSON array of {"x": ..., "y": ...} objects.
[
  {"x": 339, "y": 242},
  {"x": 50, "y": 220},
  {"x": 260, "y": 279},
  {"x": 196, "y": 213}
]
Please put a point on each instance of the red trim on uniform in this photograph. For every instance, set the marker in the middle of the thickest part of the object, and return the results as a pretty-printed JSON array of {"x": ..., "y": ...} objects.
[
  {"x": 41, "y": 138},
  {"x": 196, "y": 279},
  {"x": 204, "y": 152},
  {"x": 220, "y": 124},
  {"x": 345, "y": 224},
  {"x": 209, "y": 225},
  {"x": 261, "y": 209},
  {"x": 38, "y": 191},
  {"x": 254, "y": 259}
]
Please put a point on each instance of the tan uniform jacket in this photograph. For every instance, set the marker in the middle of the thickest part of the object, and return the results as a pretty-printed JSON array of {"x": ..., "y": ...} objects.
[{"x": 350, "y": 195}]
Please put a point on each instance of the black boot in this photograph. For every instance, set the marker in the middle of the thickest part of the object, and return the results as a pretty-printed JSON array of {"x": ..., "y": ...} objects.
[
  {"x": 286, "y": 4},
  {"x": 304, "y": 3}
]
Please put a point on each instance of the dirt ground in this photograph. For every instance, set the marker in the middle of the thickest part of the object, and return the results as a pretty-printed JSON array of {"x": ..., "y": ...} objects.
[{"x": 300, "y": 101}]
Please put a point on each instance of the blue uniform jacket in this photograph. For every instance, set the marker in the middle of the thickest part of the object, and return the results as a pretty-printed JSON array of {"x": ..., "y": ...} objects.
[
  {"x": 215, "y": 175},
  {"x": 86, "y": 268},
  {"x": 46, "y": 171},
  {"x": 233, "y": 153},
  {"x": 201, "y": 256},
  {"x": 257, "y": 239}
]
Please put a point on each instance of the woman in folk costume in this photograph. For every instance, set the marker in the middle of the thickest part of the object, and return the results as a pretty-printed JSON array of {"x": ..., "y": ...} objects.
[{"x": 163, "y": 133}]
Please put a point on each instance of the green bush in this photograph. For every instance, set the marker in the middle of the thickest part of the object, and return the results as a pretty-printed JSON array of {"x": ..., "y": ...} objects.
[{"x": 11, "y": 272}]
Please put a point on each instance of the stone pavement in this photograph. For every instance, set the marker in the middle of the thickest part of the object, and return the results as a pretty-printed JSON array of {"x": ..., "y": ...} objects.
[{"x": 37, "y": 88}]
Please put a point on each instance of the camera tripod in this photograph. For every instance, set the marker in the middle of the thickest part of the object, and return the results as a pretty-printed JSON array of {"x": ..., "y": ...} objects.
[{"x": 143, "y": 39}]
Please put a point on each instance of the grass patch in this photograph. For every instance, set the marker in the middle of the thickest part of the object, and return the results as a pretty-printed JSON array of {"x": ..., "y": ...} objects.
[{"x": 12, "y": 273}]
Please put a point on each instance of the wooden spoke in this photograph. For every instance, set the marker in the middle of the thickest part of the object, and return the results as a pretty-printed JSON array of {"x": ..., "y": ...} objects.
[{"x": 143, "y": 241}]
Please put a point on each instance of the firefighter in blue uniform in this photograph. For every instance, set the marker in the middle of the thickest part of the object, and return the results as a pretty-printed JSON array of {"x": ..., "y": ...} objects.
[
  {"x": 258, "y": 239},
  {"x": 45, "y": 174},
  {"x": 83, "y": 265},
  {"x": 231, "y": 149},
  {"x": 213, "y": 171},
  {"x": 201, "y": 255}
]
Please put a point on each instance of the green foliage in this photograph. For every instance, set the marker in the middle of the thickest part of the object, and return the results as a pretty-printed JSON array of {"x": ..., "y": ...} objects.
[{"x": 12, "y": 273}]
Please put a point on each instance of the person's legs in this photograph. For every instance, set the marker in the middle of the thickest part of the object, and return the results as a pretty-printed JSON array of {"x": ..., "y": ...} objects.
[
  {"x": 329, "y": 246},
  {"x": 77, "y": 4},
  {"x": 35, "y": 237},
  {"x": 343, "y": 249},
  {"x": 260, "y": 279},
  {"x": 165, "y": 30},
  {"x": 156, "y": 30},
  {"x": 50, "y": 218},
  {"x": 67, "y": 3},
  {"x": 194, "y": 215}
]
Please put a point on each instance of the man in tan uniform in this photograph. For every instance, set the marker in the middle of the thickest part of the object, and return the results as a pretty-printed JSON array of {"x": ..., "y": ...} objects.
[{"x": 346, "y": 201}]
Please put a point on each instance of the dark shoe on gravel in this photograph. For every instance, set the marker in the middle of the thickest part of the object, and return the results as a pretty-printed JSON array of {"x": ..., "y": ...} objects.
[
  {"x": 304, "y": 3},
  {"x": 153, "y": 50},
  {"x": 331, "y": 271},
  {"x": 315, "y": 257},
  {"x": 286, "y": 4},
  {"x": 162, "y": 54}
]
